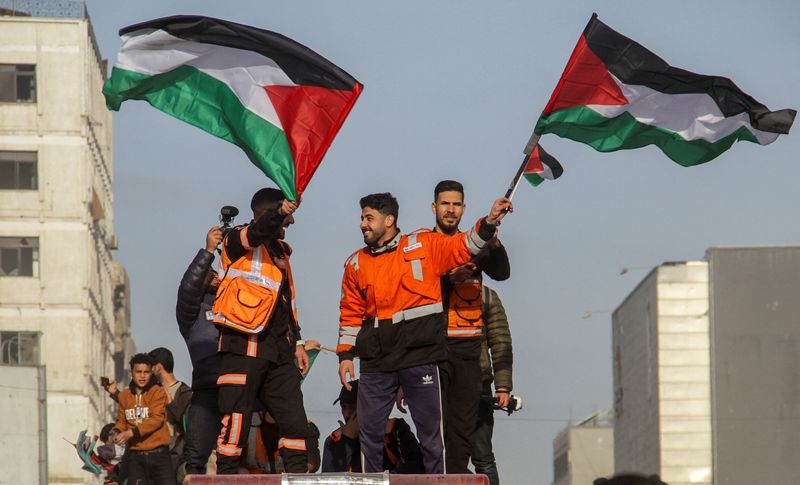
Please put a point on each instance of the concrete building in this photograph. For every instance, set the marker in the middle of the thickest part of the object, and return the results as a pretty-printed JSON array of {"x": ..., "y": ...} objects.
[
  {"x": 584, "y": 451},
  {"x": 63, "y": 298},
  {"x": 706, "y": 366}
]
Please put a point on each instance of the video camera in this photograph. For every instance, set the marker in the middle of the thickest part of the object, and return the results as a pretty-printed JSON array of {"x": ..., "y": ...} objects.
[
  {"x": 514, "y": 404},
  {"x": 226, "y": 215}
]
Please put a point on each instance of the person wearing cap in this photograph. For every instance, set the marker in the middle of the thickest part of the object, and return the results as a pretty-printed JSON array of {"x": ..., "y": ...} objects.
[
  {"x": 342, "y": 451},
  {"x": 259, "y": 337}
]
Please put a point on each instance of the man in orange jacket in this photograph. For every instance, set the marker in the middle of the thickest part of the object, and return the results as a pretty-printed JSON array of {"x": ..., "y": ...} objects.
[
  {"x": 259, "y": 336},
  {"x": 463, "y": 296},
  {"x": 391, "y": 317}
]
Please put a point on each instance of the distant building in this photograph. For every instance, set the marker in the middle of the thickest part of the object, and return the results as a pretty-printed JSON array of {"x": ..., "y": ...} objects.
[
  {"x": 707, "y": 370},
  {"x": 64, "y": 301},
  {"x": 584, "y": 451}
]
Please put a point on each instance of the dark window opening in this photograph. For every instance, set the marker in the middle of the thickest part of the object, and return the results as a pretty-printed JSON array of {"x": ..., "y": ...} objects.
[
  {"x": 18, "y": 171},
  {"x": 19, "y": 348},
  {"x": 19, "y": 256},
  {"x": 17, "y": 83}
]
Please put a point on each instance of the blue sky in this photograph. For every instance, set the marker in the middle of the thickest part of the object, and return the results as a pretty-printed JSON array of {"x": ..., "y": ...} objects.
[{"x": 452, "y": 90}]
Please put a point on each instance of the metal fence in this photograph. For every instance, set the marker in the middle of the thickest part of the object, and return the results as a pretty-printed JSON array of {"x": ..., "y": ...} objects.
[{"x": 70, "y": 9}]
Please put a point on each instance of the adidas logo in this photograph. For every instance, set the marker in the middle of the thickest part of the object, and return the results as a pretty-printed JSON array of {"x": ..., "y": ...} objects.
[{"x": 427, "y": 380}]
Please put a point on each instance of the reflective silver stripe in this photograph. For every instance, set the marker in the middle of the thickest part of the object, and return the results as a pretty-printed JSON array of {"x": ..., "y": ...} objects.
[
  {"x": 231, "y": 450},
  {"x": 255, "y": 263},
  {"x": 474, "y": 242},
  {"x": 354, "y": 261},
  {"x": 349, "y": 330},
  {"x": 416, "y": 264},
  {"x": 255, "y": 277},
  {"x": 472, "y": 331},
  {"x": 209, "y": 315},
  {"x": 416, "y": 312},
  {"x": 220, "y": 318},
  {"x": 416, "y": 269},
  {"x": 347, "y": 340}
]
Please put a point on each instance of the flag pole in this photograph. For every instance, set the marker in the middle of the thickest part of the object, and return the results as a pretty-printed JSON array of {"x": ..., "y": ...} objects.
[{"x": 532, "y": 142}]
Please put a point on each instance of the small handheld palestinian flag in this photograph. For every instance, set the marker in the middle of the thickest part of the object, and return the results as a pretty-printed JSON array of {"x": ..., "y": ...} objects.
[
  {"x": 279, "y": 101},
  {"x": 541, "y": 166},
  {"x": 615, "y": 94}
]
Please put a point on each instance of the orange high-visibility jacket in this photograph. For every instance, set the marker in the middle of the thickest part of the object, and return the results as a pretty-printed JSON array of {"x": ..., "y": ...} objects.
[
  {"x": 249, "y": 289},
  {"x": 391, "y": 306},
  {"x": 464, "y": 309}
]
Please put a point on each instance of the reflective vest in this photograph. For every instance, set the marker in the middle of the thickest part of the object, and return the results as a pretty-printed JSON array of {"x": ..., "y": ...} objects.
[
  {"x": 399, "y": 282},
  {"x": 465, "y": 309},
  {"x": 250, "y": 288}
]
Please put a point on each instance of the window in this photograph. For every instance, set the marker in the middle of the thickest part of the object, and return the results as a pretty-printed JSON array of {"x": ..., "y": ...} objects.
[
  {"x": 19, "y": 348},
  {"x": 560, "y": 465},
  {"x": 18, "y": 171},
  {"x": 19, "y": 256},
  {"x": 17, "y": 83}
]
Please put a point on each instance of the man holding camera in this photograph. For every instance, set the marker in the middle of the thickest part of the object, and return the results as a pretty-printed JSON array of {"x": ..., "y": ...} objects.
[
  {"x": 196, "y": 294},
  {"x": 259, "y": 335},
  {"x": 462, "y": 291}
]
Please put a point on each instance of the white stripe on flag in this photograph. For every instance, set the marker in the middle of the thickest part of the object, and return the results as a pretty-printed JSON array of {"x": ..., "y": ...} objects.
[
  {"x": 693, "y": 116},
  {"x": 245, "y": 72}
]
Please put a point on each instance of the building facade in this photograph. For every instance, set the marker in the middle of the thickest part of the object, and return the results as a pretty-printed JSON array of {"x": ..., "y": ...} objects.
[
  {"x": 584, "y": 451},
  {"x": 706, "y": 359},
  {"x": 63, "y": 299}
]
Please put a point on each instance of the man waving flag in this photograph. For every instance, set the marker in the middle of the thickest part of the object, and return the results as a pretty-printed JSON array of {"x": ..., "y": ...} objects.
[
  {"x": 278, "y": 100},
  {"x": 615, "y": 94}
]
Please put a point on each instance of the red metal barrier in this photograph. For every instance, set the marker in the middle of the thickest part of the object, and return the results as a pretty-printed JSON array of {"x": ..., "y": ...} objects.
[{"x": 393, "y": 479}]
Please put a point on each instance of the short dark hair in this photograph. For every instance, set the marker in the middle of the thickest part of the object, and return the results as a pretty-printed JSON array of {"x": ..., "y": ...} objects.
[
  {"x": 164, "y": 357},
  {"x": 448, "y": 186},
  {"x": 265, "y": 197},
  {"x": 106, "y": 432},
  {"x": 384, "y": 202},
  {"x": 141, "y": 359}
]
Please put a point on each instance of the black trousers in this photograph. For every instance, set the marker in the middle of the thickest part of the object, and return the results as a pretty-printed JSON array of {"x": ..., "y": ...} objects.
[
  {"x": 243, "y": 380},
  {"x": 461, "y": 386},
  {"x": 202, "y": 428},
  {"x": 482, "y": 455},
  {"x": 149, "y": 467}
]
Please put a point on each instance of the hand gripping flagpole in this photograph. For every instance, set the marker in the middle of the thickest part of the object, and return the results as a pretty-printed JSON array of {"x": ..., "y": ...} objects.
[{"x": 532, "y": 142}]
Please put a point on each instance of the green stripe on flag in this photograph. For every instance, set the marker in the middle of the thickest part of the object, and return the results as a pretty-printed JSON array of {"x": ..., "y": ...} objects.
[
  {"x": 312, "y": 356},
  {"x": 200, "y": 100},
  {"x": 624, "y": 132},
  {"x": 533, "y": 178}
]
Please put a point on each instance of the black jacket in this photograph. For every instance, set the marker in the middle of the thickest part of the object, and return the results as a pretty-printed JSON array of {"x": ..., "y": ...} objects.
[
  {"x": 401, "y": 451},
  {"x": 200, "y": 334}
]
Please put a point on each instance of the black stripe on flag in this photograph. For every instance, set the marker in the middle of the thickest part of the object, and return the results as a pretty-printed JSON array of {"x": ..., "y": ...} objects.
[
  {"x": 303, "y": 66},
  {"x": 551, "y": 162},
  {"x": 633, "y": 64}
]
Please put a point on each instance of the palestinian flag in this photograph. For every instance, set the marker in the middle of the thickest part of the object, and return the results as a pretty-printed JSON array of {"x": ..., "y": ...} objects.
[
  {"x": 278, "y": 100},
  {"x": 312, "y": 356},
  {"x": 541, "y": 166},
  {"x": 614, "y": 94}
]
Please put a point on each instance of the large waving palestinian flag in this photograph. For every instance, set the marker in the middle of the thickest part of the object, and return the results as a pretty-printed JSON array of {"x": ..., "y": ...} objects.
[
  {"x": 614, "y": 94},
  {"x": 278, "y": 100}
]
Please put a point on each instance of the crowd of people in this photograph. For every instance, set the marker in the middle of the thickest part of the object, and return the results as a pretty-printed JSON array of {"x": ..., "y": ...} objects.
[{"x": 429, "y": 336}]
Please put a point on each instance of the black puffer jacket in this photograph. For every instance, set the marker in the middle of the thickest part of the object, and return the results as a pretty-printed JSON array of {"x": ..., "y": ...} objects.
[{"x": 200, "y": 334}]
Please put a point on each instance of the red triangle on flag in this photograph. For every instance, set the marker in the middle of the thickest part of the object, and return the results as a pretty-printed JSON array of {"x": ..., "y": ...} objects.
[
  {"x": 585, "y": 80},
  {"x": 311, "y": 116},
  {"x": 534, "y": 163}
]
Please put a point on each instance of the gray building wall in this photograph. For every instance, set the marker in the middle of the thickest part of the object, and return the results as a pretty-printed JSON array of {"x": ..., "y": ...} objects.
[
  {"x": 636, "y": 430},
  {"x": 755, "y": 305}
]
